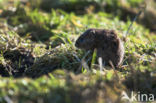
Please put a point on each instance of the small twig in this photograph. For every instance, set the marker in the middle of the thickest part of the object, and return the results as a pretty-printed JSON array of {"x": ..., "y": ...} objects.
[
  {"x": 77, "y": 58},
  {"x": 116, "y": 74},
  {"x": 8, "y": 100},
  {"x": 86, "y": 54},
  {"x": 132, "y": 23},
  {"x": 83, "y": 62},
  {"x": 138, "y": 14}
]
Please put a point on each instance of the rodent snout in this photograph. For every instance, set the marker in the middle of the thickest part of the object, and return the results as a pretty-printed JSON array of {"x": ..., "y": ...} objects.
[{"x": 77, "y": 44}]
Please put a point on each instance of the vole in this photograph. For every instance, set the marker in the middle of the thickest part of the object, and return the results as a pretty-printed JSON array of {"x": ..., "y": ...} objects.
[{"x": 108, "y": 45}]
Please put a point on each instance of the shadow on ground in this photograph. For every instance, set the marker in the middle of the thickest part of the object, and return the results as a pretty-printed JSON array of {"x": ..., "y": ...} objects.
[
  {"x": 22, "y": 63},
  {"x": 141, "y": 82}
]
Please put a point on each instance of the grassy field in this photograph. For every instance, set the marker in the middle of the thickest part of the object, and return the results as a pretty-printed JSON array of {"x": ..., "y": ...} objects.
[{"x": 40, "y": 64}]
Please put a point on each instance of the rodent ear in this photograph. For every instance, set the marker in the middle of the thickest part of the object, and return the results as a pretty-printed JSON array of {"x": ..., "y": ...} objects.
[
  {"x": 113, "y": 35},
  {"x": 115, "y": 45},
  {"x": 93, "y": 32},
  {"x": 112, "y": 32}
]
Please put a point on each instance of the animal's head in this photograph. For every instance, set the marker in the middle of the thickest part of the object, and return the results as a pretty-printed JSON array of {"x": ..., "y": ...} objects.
[
  {"x": 114, "y": 40},
  {"x": 86, "y": 40},
  {"x": 97, "y": 38}
]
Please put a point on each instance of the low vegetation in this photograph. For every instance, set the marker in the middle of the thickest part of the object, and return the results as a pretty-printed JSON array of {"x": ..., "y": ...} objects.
[{"x": 39, "y": 62}]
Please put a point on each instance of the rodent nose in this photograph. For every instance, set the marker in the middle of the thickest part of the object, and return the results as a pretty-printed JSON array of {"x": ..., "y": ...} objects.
[{"x": 76, "y": 44}]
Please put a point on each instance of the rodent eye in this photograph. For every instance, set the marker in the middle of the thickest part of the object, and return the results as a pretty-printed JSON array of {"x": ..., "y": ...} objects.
[{"x": 81, "y": 40}]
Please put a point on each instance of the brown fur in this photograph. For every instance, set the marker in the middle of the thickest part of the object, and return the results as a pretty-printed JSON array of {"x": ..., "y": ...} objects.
[{"x": 108, "y": 44}]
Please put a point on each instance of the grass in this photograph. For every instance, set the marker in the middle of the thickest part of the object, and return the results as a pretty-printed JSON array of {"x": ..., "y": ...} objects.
[{"x": 39, "y": 62}]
